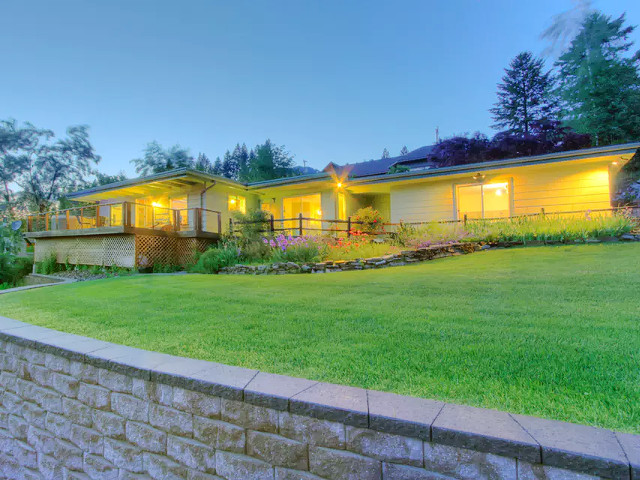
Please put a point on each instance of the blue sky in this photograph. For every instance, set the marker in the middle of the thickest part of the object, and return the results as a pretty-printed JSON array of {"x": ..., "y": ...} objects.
[{"x": 332, "y": 80}]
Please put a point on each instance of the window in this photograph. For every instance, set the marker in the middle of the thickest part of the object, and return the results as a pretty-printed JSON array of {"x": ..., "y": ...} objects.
[
  {"x": 483, "y": 201},
  {"x": 237, "y": 203},
  {"x": 270, "y": 208}
]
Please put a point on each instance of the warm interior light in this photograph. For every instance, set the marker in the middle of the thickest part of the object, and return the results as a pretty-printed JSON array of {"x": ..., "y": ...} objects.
[
  {"x": 156, "y": 204},
  {"x": 232, "y": 201},
  {"x": 614, "y": 163},
  {"x": 339, "y": 185},
  {"x": 499, "y": 192},
  {"x": 319, "y": 212}
]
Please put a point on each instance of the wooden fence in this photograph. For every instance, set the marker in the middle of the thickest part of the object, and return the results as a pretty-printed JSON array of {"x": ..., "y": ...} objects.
[{"x": 301, "y": 225}]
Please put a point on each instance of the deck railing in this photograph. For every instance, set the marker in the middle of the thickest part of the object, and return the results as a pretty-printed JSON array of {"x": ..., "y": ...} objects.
[
  {"x": 126, "y": 214},
  {"x": 300, "y": 225}
]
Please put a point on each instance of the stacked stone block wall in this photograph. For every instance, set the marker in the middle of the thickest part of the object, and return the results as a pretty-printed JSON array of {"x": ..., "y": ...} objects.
[{"x": 75, "y": 408}]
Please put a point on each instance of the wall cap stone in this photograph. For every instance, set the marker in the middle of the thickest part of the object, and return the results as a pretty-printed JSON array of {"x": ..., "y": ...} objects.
[{"x": 580, "y": 448}]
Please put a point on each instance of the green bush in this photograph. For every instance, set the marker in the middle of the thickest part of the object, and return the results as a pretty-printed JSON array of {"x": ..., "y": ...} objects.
[
  {"x": 303, "y": 253},
  {"x": 48, "y": 266},
  {"x": 368, "y": 220},
  {"x": 166, "y": 268},
  {"x": 212, "y": 260},
  {"x": 13, "y": 269}
]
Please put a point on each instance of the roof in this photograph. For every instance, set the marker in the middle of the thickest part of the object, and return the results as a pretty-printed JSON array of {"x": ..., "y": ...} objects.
[
  {"x": 627, "y": 149},
  {"x": 177, "y": 177},
  {"x": 382, "y": 165}
]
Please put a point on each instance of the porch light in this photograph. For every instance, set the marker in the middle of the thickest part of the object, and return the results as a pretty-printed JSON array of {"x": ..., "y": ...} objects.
[
  {"x": 614, "y": 163},
  {"x": 478, "y": 177},
  {"x": 319, "y": 212},
  {"x": 339, "y": 184}
]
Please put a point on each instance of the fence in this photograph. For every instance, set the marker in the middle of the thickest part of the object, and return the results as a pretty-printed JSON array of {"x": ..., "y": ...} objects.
[
  {"x": 126, "y": 214},
  {"x": 301, "y": 225}
]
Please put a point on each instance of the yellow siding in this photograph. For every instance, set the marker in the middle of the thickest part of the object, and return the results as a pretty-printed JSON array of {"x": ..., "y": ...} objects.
[{"x": 556, "y": 188}]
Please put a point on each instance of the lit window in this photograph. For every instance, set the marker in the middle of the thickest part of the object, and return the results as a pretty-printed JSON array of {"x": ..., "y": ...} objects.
[
  {"x": 237, "y": 203},
  {"x": 483, "y": 201}
]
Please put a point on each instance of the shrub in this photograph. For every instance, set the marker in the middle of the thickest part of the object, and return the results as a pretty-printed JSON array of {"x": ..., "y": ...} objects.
[
  {"x": 166, "y": 268},
  {"x": 295, "y": 249},
  {"x": 251, "y": 229},
  {"x": 48, "y": 266},
  {"x": 215, "y": 258},
  {"x": 13, "y": 269},
  {"x": 368, "y": 220}
]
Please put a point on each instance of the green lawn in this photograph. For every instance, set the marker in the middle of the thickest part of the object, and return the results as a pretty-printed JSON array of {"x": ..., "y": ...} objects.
[{"x": 546, "y": 331}]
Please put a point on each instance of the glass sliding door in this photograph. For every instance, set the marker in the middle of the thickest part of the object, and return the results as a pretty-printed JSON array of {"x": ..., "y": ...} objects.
[
  {"x": 309, "y": 206},
  {"x": 483, "y": 201}
]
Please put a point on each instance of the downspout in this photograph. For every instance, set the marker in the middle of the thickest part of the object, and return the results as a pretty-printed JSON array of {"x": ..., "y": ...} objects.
[{"x": 204, "y": 191}]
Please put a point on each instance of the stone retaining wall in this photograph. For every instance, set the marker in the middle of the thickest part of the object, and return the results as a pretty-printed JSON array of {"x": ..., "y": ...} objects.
[{"x": 78, "y": 408}]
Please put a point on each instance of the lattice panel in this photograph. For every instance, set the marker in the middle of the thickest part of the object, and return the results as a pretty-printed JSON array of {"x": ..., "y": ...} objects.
[
  {"x": 107, "y": 250},
  {"x": 152, "y": 250}
]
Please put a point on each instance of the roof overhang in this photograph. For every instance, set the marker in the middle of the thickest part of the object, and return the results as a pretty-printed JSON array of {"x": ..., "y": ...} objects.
[
  {"x": 172, "y": 181},
  {"x": 618, "y": 153}
]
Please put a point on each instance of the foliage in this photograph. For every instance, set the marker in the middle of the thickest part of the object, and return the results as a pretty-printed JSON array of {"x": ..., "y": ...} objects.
[
  {"x": 251, "y": 225},
  {"x": 555, "y": 328},
  {"x": 42, "y": 167},
  {"x": 157, "y": 159},
  {"x": 536, "y": 228},
  {"x": 404, "y": 150},
  {"x": 48, "y": 266},
  {"x": 215, "y": 258},
  {"x": 599, "y": 82},
  {"x": 368, "y": 220},
  {"x": 359, "y": 246},
  {"x": 166, "y": 268},
  {"x": 545, "y": 137},
  {"x": 398, "y": 168},
  {"x": 13, "y": 269},
  {"x": 203, "y": 164},
  {"x": 524, "y": 96},
  {"x": 295, "y": 249},
  {"x": 270, "y": 162},
  {"x": 385, "y": 153}
]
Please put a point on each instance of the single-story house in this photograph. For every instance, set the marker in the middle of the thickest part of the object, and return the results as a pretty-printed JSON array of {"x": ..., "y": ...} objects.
[{"x": 163, "y": 218}]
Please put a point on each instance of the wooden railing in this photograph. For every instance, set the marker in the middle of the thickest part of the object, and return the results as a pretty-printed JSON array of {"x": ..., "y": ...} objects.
[
  {"x": 126, "y": 214},
  {"x": 299, "y": 226}
]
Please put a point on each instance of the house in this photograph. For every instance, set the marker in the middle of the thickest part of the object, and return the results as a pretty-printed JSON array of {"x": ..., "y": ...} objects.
[{"x": 164, "y": 218}]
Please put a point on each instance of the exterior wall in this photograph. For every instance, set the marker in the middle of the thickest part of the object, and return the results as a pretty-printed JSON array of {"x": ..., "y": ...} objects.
[
  {"x": 70, "y": 412},
  {"x": 556, "y": 188},
  {"x": 217, "y": 198}
]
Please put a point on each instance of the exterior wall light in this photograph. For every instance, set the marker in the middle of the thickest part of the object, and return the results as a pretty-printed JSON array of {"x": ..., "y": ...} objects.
[
  {"x": 478, "y": 177},
  {"x": 339, "y": 184}
]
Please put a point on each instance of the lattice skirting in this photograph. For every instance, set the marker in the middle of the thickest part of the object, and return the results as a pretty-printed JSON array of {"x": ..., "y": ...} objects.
[{"x": 121, "y": 250}]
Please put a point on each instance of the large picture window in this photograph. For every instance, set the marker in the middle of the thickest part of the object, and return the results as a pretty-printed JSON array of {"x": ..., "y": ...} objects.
[
  {"x": 237, "y": 203},
  {"x": 489, "y": 200}
]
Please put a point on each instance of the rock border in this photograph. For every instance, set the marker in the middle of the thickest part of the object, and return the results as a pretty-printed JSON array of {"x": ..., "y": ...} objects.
[{"x": 579, "y": 448}]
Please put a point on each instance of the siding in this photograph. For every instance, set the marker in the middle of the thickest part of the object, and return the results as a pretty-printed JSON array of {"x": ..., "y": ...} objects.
[{"x": 556, "y": 188}]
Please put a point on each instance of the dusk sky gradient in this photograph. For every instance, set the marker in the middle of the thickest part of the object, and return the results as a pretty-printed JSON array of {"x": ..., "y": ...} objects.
[{"x": 332, "y": 80}]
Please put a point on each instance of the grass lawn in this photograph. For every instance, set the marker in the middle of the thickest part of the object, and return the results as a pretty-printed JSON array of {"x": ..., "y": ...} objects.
[{"x": 546, "y": 331}]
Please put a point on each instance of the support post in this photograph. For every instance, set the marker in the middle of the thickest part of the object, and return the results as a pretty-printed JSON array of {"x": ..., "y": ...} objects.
[
  {"x": 464, "y": 219},
  {"x": 219, "y": 223},
  {"x": 67, "y": 220},
  {"x": 81, "y": 217},
  {"x": 348, "y": 227},
  {"x": 231, "y": 226},
  {"x": 97, "y": 216},
  {"x": 272, "y": 225},
  {"x": 542, "y": 212},
  {"x": 300, "y": 224}
]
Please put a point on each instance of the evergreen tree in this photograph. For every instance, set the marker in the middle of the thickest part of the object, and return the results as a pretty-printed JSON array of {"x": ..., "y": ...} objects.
[
  {"x": 524, "y": 96},
  {"x": 599, "y": 82},
  {"x": 270, "y": 161},
  {"x": 404, "y": 150},
  {"x": 203, "y": 163},
  {"x": 217, "y": 167},
  {"x": 385, "y": 153},
  {"x": 229, "y": 166}
]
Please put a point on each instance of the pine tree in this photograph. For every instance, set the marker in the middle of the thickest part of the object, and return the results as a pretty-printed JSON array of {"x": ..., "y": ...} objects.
[
  {"x": 229, "y": 166},
  {"x": 404, "y": 150},
  {"x": 524, "y": 96},
  {"x": 599, "y": 82},
  {"x": 385, "y": 153},
  {"x": 217, "y": 167},
  {"x": 203, "y": 163}
]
